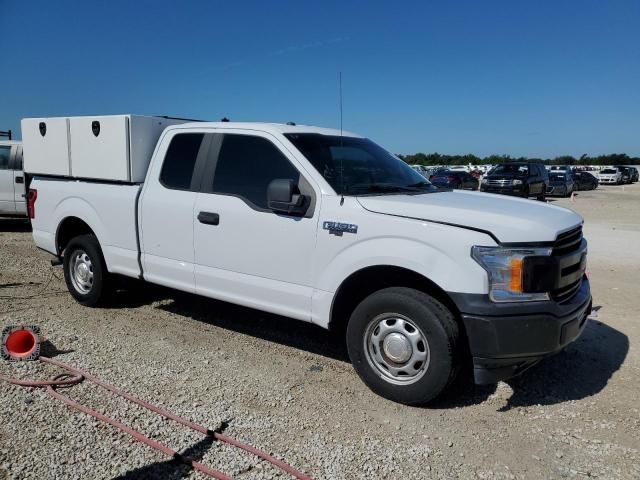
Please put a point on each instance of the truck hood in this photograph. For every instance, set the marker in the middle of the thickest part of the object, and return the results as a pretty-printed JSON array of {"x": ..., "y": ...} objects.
[{"x": 506, "y": 218}]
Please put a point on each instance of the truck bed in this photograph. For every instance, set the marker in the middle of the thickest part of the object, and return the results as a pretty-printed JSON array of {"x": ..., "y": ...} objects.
[{"x": 114, "y": 225}]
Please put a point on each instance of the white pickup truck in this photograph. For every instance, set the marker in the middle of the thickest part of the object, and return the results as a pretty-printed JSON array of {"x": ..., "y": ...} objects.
[
  {"x": 318, "y": 225},
  {"x": 12, "y": 186}
]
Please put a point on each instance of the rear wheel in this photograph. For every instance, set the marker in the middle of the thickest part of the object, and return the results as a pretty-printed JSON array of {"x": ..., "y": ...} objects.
[
  {"x": 403, "y": 344},
  {"x": 85, "y": 271}
]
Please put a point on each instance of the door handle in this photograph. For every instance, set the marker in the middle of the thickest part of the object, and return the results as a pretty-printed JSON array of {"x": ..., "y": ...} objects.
[
  {"x": 209, "y": 218},
  {"x": 19, "y": 179}
]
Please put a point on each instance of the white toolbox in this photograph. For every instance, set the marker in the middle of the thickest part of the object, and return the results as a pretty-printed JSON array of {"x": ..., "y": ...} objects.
[
  {"x": 45, "y": 146},
  {"x": 112, "y": 147}
]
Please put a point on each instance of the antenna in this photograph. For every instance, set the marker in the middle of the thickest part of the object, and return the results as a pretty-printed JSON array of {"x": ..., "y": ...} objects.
[
  {"x": 340, "y": 100},
  {"x": 341, "y": 167}
]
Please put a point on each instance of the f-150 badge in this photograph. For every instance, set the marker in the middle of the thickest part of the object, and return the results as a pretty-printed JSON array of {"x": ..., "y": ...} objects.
[{"x": 337, "y": 228}]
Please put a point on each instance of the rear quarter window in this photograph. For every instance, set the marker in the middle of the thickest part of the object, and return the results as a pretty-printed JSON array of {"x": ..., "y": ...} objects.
[{"x": 180, "y": 161}]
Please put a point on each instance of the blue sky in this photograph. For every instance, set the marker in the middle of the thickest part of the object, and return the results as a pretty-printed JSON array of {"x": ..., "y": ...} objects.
[{"x": 535, "y": 78}]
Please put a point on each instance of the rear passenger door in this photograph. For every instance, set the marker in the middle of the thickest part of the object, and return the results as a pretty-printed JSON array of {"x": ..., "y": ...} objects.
[
  {"x": 166, "y": 209},
  {"x": 7, "y": 190},
  {"x": 244, "y": 252}
]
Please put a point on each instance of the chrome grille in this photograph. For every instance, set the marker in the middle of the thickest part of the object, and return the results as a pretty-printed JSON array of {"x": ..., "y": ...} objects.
[{"x": 498, "y": 183}]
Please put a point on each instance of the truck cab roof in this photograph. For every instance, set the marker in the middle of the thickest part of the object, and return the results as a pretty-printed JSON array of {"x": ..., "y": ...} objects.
[{"x": 273, "y": 128}]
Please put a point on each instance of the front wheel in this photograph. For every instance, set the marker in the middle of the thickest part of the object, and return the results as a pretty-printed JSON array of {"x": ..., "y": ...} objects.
[
  {"x": 403, "y": 344},
  {"x": 85, "y": 271}
]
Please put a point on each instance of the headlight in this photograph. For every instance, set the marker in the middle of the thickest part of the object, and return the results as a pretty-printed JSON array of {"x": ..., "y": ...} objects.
[
  {"x": 505, "y": 267},
  {"x": 517, "y": 182},
  {"x": 484, "y": 180}
]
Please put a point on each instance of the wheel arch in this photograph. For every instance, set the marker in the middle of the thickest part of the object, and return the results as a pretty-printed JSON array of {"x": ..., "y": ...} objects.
[
  {"x": 68, "y": 228},
  {"x": 365, "y": 281}
]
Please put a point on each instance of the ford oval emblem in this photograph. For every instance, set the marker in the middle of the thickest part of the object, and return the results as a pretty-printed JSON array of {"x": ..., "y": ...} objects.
[
  {"x": 43, "y": 128},
  {"x": 95, "y": 127}
]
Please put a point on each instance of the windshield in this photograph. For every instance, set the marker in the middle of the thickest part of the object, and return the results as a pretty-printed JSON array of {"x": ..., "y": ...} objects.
[
  {"x": 366, "y": 167},
  {"x": 510, "y": 170},
  {"x": 609, "y": 170}
]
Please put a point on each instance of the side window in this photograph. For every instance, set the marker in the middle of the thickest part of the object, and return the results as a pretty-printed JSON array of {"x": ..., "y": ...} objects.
[
  {"x": 180, "y": 160},
  {"x": 5, "y": 154},
  {"x": 247, "y": 164}
]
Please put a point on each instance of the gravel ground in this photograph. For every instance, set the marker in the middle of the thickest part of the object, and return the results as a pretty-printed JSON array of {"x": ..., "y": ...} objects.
[{"x": 287, "y": 387}]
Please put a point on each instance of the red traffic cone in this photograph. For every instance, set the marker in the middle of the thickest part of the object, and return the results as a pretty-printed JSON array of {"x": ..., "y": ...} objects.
[{"x": 21, "y": 342}]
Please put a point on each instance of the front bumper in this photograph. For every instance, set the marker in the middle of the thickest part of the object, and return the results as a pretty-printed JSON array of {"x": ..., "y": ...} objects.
[
  {"x": 517, "y": 190},
  {"x": 506, "y": 339}
]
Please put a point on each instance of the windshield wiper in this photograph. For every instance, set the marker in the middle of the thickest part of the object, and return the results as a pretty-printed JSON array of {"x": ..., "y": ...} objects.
[{"x": 383, "y": 188}]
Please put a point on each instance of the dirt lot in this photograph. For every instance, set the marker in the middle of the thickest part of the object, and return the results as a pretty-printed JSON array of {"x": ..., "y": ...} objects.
[{"x": 287, "y": 387}]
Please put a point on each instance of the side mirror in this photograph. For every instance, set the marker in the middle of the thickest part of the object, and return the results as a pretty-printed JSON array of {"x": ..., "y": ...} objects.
[{"x": 283, "y": 196}]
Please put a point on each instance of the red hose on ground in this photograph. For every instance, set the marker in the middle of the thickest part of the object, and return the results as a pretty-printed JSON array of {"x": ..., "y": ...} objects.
[{"x": 76, "y": 376}]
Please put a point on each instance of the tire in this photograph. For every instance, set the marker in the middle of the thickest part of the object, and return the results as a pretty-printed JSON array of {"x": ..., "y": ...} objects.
[
  {"x": 85, "y": 272},
  {"x": 406, "y": 314},
  {"x": 542, "y": 197},
  {"x": 525, "y": 193}
]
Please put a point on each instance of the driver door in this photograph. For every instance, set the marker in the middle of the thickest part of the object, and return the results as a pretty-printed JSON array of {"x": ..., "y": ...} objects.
[{"x": 244, "y": 252}]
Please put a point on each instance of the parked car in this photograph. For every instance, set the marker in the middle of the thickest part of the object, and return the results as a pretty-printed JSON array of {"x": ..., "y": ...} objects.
[
  {"x": 315, "y": 224},
  {"x": 610, "y": 176},
  {"x": 634, "y": 174},
  {"x": 517, "y": 178},
  {"x": 560, "y": 183},
  {"x": 421, "y": 169},
  {"x": 584, "y": 181},
  {"x": 12, "y": 185},
  {"x": 627, "y": 174},
  {"x": 454, "y": 179},
  {"x": 459, "y": 168}
]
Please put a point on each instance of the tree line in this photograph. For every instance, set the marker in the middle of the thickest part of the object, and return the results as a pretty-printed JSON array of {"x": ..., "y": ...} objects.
[{"x": 440, "y": 159}]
